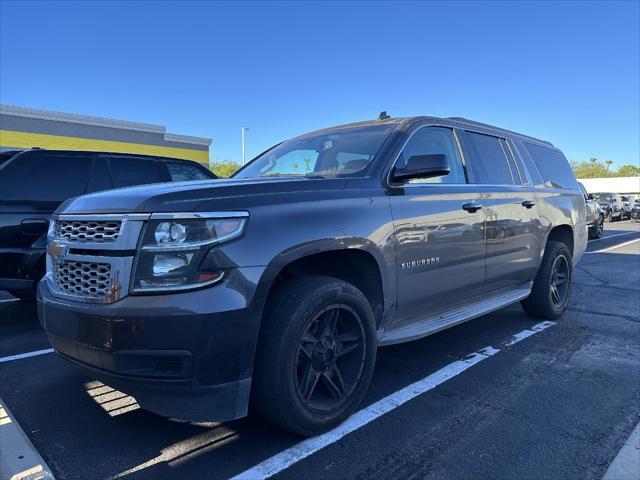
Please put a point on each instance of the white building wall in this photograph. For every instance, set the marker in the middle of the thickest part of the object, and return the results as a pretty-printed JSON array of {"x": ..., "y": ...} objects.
[{"x": 614, "y": 184}]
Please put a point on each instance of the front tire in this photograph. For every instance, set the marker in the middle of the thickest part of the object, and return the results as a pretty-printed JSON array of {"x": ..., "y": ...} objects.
[
  {"x": 316, "y": 355},
  {"x": 552, "y": 286}
]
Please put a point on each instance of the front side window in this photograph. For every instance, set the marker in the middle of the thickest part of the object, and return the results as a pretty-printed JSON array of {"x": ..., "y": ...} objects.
[
  {"x": 431, "y": 141},
  {"x": 489, "y": 160},
  {"x": 337, "y": 153}
]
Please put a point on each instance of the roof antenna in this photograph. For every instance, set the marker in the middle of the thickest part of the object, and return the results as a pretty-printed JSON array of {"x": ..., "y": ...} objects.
[{"x": 383, "y": 115}]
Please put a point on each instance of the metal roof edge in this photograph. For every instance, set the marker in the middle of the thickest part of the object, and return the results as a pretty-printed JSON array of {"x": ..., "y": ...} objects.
[{"x": 37, "y": 113}]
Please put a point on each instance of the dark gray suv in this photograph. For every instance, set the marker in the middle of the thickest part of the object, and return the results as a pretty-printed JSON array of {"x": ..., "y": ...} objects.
[{"x": 275, "y": 288}]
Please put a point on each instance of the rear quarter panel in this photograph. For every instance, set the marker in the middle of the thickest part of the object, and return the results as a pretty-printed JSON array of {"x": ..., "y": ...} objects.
[{"x": 564, "y": 207}]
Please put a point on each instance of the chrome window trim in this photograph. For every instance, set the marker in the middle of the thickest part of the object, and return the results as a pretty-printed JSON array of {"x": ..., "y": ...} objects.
[{"x": 198, "y": 215}]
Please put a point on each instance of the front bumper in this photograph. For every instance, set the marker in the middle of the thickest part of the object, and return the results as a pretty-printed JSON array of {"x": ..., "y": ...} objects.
[{"x": 187, "y": 355}]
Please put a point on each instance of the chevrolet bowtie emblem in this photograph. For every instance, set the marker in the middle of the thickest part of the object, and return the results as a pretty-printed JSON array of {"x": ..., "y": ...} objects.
[{"x": 57, "y": 250}]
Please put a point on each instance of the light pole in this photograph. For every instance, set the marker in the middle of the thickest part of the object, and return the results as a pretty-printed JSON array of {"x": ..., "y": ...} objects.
[{"x": 244, "y": 131}]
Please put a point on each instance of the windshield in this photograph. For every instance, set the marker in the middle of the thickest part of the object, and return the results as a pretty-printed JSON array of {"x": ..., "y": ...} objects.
[
  {"x": 603, "y": 197},
  {"x": 328, "y": 154}
]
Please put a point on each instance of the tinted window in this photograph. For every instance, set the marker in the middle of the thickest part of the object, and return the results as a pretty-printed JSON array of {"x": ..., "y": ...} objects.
[
  {"x": 100, "y": 177},
  {"x": 51, "y": 178},
  {"x": 127, "y": 171},
  {"x": 430, "y": 141},
  {"x": 553, "y": 166},
  {"x": 183, "y": 171},
  {"x": 534, "y": 173},
  {"x": 489, "y": 161}
]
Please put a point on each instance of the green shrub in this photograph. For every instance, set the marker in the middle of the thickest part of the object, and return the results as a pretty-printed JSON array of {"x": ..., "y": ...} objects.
[{"x": 224, "y": 168}]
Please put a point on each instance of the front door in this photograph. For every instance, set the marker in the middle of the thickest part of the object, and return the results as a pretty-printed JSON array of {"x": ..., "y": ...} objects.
[{"x": 439, "y": 229}]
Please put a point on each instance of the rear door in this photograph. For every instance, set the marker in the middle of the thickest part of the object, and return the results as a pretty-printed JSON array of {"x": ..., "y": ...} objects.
[
  {"x": 440, "y": 246},
  {"x": 513, "y": 230}
]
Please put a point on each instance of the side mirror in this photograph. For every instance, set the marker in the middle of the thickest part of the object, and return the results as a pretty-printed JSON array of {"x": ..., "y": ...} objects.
[
  {"x": 422, "y": 166},
  {"x": 591, "y": 196}
]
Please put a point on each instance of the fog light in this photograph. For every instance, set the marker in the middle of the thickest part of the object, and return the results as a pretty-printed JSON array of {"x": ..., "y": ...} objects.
[{"x": 165, "y": 264}]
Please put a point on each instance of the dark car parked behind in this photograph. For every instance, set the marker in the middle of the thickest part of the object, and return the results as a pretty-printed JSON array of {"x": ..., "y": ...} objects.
[
  {"x": 35, "y": 182},
  {"x": 595, "y": 214}
]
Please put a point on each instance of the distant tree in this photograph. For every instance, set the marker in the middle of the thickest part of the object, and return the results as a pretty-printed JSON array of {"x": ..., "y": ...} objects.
[
  {"x": 628, "y": 171},
  {"x": 593, "y": 168},
  {"x": 224, "y": 168},
  {"x": 608, "y": 163}
]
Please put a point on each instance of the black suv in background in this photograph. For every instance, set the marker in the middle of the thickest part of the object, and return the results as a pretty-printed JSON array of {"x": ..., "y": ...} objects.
[{"x": 33, "y": 183}]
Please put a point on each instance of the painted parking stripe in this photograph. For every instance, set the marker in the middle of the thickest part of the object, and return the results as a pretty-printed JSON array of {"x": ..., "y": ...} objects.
[
  {"x": 518, "y": 337},
  {"x": 607, "y": 237},
  {"x": 616, "y": 246},
  {"x": 10, "y": 300},
  {"x": 300, "y": 451},
  {"x": 20, "y": 356}
]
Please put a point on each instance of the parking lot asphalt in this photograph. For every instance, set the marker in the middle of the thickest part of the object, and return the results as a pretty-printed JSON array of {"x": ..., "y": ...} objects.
[{"x": 557, "y": 404}]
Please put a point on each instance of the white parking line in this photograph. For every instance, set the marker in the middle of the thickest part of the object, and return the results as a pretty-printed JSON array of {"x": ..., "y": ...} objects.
[
  {"x": 25, "y": 355},
  {"x": 607, "y": 237},
  {"x": 615, "y": 246},
  {"x": 10, "y": 300},
  {"x": 518, "y": 337},
  {"x": 292, "y": 455}
]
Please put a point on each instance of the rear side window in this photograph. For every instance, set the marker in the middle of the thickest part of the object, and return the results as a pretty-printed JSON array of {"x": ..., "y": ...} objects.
[
  {"x": 128, "y": 171},
  {"x": 100, "y": 177},
  {"x": 490, "y": 164},
  {"x": 183, "y": 171},
  {"x": 553, "y": 166},
  {"x": 45, "y": 178}
]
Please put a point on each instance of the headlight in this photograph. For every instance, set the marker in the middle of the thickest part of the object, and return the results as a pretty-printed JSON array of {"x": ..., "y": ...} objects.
[{"x": 173, "y": 246}]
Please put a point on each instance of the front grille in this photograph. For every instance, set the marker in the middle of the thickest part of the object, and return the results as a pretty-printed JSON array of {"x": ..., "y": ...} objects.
[
  {"x": 82, "y": 278},
  {"x": 99, "y": 231}
]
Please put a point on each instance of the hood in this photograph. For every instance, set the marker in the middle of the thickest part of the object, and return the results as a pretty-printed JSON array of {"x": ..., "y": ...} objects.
[{"x": 205, "y": 195}]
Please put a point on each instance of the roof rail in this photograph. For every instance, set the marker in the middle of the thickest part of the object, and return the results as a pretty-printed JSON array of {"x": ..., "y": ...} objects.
[{"x": 491, "y": 127}]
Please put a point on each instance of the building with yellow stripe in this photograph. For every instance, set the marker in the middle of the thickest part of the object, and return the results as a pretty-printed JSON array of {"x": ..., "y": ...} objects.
[{"x": 23, "y": 128}]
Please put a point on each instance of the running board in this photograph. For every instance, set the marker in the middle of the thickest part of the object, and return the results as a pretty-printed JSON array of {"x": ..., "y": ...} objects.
[{"x": 440, "y": 321}]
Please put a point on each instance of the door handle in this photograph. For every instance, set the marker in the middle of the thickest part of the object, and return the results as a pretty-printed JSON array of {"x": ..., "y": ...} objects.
[
  {"x": 471, "y": 207},
  {"x": 528, "y": 203}
]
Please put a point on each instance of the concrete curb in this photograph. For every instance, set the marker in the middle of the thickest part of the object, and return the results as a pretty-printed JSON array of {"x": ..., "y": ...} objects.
[
  {"x": 19, "y": 460},
  {"x": 626, "y": 465}
]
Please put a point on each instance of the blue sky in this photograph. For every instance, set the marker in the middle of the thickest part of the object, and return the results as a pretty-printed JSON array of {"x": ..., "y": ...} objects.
[{"x": 564, "y": 71}]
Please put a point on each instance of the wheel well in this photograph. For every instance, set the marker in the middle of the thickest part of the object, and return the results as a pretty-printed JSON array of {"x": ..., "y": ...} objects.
[
  {"x": 357, "y": 267},
  {"x": 564, "y": 234}
]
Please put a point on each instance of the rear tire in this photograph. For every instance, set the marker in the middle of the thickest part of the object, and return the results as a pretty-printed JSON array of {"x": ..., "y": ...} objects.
[
  {"x": 552, "y": 286},
  {"x": 597, "y": 229},
  {"x": 316, "y": 355}
]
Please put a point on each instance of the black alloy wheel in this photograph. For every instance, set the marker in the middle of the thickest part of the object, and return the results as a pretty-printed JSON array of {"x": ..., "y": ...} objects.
[
  {"x": 316, "y": 354},
  {"x": 330, "y": 358},
  {"x": 559, "y": 285},
  {"x": 551, "y": 289}
]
